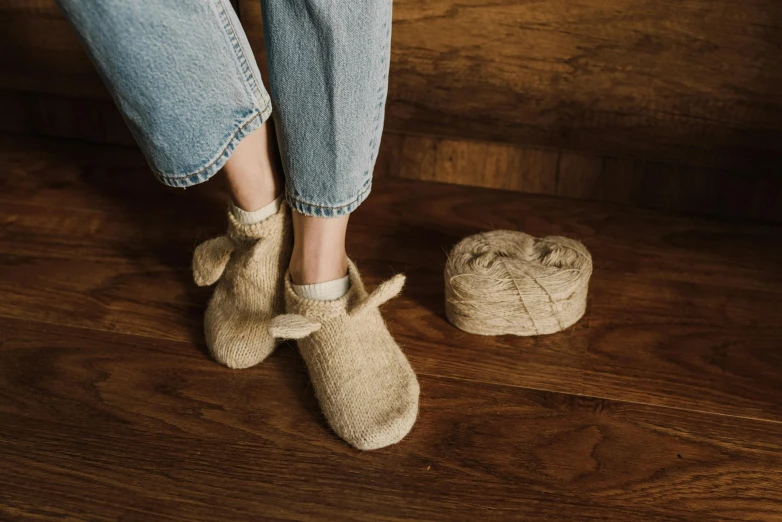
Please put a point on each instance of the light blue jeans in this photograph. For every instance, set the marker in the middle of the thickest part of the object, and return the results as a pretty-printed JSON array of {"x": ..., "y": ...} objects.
[{"x": 184, "y": 77}]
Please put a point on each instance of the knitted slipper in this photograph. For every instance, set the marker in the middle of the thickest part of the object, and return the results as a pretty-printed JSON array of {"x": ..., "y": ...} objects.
[
  {"x": 363, "y": 381},
  {"x": 248, "y": 264}
]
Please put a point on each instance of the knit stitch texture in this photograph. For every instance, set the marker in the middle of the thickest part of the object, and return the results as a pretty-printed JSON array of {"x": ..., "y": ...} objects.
[
  {"x": 248, "y": 264},
  {"x": 363, "y": 381}
]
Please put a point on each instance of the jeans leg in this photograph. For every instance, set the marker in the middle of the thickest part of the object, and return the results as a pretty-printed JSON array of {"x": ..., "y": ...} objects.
[
  {"x": 328, "y": 64},
  {"x": 182, "y": 74}
]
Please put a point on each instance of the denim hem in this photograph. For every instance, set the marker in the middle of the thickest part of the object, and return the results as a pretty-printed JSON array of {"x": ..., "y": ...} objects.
[
  {"x": 309, "y": 209},
  {"x": 218, "y": 161}
]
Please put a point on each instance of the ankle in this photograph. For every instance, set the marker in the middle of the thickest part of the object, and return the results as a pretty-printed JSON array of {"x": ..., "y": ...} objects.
[
  {"x": 317, "y": 266},
  {"x": 253, "y": 170},
  {"x": 260, "y": 195},
  {"x": 318, "y": 249}
]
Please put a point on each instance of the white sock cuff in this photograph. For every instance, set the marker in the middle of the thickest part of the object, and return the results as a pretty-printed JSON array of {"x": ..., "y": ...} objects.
[
  {"x": 256, "y": 216},
  {"x": 328, "y": 291}
]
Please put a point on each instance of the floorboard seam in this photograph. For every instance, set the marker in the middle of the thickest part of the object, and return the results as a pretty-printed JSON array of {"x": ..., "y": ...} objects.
[{"x": 437, "y": 376}]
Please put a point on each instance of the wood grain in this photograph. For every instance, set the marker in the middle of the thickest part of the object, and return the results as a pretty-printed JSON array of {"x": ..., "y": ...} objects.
[
  {"x": 94, "y": 228},
  {"x": 106, "y": 426},
  {"x": 697, "y": 83},
  {"x": 480, "y": 164},
  {"x": 579, "y": 175},
  {"x": 42, "y": 53},
  {"x": 57, "y": 263},
  {"x": 521, "y": 82},
  {"x": 686, "y": 309},
  {"x": 63, "y": 116},
  {"x": 637, "y": 182}
]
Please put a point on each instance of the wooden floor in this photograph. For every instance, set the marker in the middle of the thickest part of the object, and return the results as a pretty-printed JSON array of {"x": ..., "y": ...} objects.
[{"x": 664, "y": 402}]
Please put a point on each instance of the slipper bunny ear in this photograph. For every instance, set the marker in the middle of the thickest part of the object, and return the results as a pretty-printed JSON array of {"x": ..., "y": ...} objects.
[
  {"x": 384, "y": 292},
  {"x": 210, "y": 258},
  {"x": 292, "y": 326}
]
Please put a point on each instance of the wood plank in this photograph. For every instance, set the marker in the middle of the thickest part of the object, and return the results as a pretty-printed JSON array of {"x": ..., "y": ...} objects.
[
  {"x": 654, "y": 184},
  {"x": 63, "y": 116},
  {"x": 109, "y": 426},
  {"x": 611, "y": 77},
  {"x": 483, "y": 164},
  {"x": 579, "y": 175},
  {"x": 672, "y": 290},
  {"x": 135, "y": 278},
  {"x": 42, "y": 53},
  {"x": 621, "y": 178},
  {"x": 95, "y": 252},
  {"x": 74, "y": 238},
  {"x": 13, "y": 107},
  {"x": 418, "y": 158},
  {"x": 686, "y": 365}
]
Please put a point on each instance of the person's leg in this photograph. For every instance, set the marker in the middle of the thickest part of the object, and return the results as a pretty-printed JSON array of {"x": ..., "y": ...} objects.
[
  {"x": 328, "y": 63},
  {"x": 184, "y": 77}
]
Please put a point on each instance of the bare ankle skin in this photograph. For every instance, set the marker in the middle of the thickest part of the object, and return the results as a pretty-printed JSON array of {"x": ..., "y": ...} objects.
[
  {"x": 253, "y": 171},
  {"x": 318, "y": 249}
]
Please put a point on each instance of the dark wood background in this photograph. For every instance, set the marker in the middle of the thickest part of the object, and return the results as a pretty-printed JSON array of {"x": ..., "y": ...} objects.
[{"x": 658, "y": 103}]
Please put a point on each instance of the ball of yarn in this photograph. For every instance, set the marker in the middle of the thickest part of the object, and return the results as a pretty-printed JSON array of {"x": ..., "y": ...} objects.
[{"x": 507, "y": 282}]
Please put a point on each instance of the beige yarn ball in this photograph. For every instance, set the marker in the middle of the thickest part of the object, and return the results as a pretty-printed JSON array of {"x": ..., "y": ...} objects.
[{"x": 507, "y": 282}]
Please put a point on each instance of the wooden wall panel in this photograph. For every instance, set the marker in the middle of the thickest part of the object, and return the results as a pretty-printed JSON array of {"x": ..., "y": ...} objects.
[
  {"x": 63, "y": 116},
  {"x": 667, "y": 80},
  {"x": 578, "y": 175},
  {"x": 630, "y": 181},
  {"x": 40, "y": 52}
]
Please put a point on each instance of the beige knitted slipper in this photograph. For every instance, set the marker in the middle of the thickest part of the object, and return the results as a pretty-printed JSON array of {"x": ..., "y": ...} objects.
[
  {"x": 249, "y": 262},
  {"x": 363, "y": 381}
]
